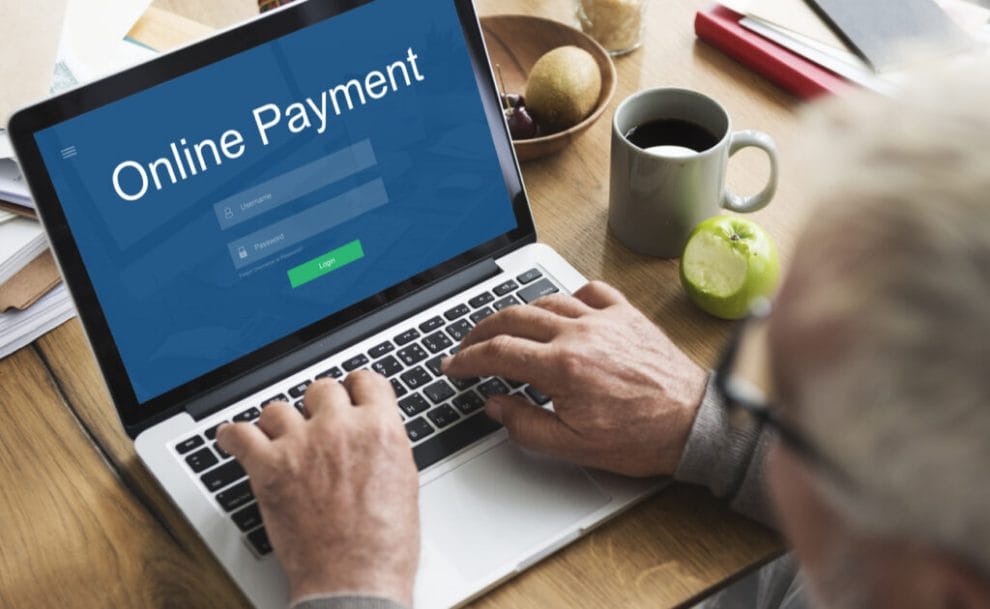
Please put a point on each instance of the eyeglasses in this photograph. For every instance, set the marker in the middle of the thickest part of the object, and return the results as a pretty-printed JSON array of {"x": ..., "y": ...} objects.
[{"x": 743, "y": 381}]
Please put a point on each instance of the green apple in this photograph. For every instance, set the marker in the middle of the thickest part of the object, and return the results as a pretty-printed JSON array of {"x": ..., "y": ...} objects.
[{"x": 729, "y": 263}]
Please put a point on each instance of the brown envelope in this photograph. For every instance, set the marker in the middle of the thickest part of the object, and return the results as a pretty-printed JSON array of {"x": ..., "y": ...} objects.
[{"x": 30, "y": 283}]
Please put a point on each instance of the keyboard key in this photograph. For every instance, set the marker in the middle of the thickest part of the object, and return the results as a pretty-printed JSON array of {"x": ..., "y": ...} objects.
[
  {"x": 434, "y": 365},
  {"x": 528, "y": 276},
  {"x": 492, "y": 387},
  {"x": 413, "y": 354},
  {"x": 333, "y": 373},
  {"x": 278, "y": 398},
  {"x": 431, "y": 324},
  {"x": 458, "y": 311},
  {"x": 463, "y": 384},
  {"x": 514, "y": 384},
  {"x": 300, "y": 406},
  {"x": 380, "y": 350},
  {"x": 248, "y": 518},
  {"x": 224, "y": 455},
  {"x": 202, "y": 459},
  {"x": 387, "y": 366},
  {"x": 457, "y": 437},
  {"x": 300, "y": 389},
  {"x": 535, "y": 395},
  {"x": 407, "y": 337},
  {"x": 437, "y": 342},
  {"x": 539, "y": 289},
  {"x": 481, "y": 300},
  {"x": 211, "y": 433},
  {"x": 459, "y": 329},
  {"x": 413, "y": 405},
  {"x": 248, "y": 415},
  {"x": 439, "y": 392},
  {"x": 415, "y": 378},
  {"x": 259, "y": 541},
  {"x": 226, "y": 474},
  {"x": 235, "y": 496},
  {"x": 468, "y": 402},
  {"x": 508, "y": 301},
  {"x": 399, "y": 389},
  {"x": 418, "y": 428},
  {"x": 188, "y": 444},
  {"x": 355, "y": 362},
  {"x": 480, "y": 314},
  {"x": 504, "y": 288},
  {"x": 443, "y": 416}
]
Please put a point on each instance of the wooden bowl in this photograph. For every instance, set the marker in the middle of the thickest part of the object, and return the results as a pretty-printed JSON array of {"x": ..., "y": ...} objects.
[{"x": 515, "y": 42}]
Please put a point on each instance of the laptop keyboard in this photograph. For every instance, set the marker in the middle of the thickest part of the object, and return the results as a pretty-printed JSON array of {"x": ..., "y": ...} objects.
[{"x": 442, "y": 415}]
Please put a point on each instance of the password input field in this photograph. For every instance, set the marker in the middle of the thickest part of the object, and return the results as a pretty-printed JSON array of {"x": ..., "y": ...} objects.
[
  {"x": 291, "y": 185},
  {"x": 306, "y": 224}
]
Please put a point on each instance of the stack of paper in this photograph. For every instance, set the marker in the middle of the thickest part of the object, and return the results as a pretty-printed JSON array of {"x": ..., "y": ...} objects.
[
  {"x": 20, "y": 328},
  {"x": 21, "y": 241},
  {"x": 53, "y": 45}
]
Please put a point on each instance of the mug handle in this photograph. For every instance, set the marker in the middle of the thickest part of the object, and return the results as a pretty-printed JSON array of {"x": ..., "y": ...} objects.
[{"x": 756, "y": 139}]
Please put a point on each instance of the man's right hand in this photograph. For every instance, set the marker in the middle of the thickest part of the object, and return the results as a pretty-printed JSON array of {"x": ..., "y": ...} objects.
[{"x": 624, "y": 395}]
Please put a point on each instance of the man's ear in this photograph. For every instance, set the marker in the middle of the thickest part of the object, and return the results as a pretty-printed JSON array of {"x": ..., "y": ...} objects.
[{"x": 956, "y": 585}]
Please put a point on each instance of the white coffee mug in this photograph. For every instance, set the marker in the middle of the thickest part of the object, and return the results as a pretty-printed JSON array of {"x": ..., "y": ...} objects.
[{"x": 658, "y": 195}]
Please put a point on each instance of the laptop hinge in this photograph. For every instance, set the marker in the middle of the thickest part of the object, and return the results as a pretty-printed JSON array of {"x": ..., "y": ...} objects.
[{"x": 208, "y": 403}]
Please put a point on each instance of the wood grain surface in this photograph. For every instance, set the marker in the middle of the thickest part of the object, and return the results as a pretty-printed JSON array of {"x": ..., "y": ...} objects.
[{"x": 82, "y": 524}]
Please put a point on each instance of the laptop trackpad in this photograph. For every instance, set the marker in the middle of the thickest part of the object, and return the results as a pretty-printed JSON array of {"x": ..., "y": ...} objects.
[{"x": 503, "y": 505}]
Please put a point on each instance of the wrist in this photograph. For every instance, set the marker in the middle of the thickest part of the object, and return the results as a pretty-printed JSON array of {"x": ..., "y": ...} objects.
[{"x": 348, "y": 576}]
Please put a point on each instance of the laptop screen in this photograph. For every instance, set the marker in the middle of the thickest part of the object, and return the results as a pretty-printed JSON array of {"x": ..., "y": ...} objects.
[{"x": 227, "y": 208}]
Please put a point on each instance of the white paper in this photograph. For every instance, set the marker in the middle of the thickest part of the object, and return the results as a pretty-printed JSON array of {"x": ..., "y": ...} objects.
[
  {"x": 13, "y": 187},
  {"x": 6, "y": 216},
  {"x": 6, "y": 150},
  {"x": 93, "y": 37},
  {"x": 30, "y": 33},
  {"x": 21, "y": 328},
  {"x": 841, "y": 62}
]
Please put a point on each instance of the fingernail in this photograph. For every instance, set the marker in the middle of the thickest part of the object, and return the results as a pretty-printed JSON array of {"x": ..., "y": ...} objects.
[{"x": 493, "y": 407}]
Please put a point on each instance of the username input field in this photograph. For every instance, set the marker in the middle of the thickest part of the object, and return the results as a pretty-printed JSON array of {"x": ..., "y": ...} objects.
[
  {"x": 308, "y": 223},
  {"x": 291, "y": 185}
]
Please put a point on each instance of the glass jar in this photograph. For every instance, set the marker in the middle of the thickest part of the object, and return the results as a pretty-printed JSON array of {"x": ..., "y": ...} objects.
[{"x": 617, "y": 25}]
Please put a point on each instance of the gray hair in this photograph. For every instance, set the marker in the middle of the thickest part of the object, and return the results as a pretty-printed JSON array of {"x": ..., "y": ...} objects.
[{"x": 887, "y": 337}]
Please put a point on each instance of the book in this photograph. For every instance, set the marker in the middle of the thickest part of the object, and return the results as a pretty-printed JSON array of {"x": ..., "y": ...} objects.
[{"x": 720, "y": 27}]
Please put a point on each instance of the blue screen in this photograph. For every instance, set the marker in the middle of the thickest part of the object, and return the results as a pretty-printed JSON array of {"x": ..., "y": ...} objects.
[{"x": 232, "y": 206}]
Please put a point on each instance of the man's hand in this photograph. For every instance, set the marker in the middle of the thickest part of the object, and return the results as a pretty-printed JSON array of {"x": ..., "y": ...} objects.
[
  {"x": 624, "y": 396},
  {"x": 338, "y": 490}
]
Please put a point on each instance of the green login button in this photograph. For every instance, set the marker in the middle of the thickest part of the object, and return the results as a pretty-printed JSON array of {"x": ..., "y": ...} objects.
[{"x": 327, "y": 263}]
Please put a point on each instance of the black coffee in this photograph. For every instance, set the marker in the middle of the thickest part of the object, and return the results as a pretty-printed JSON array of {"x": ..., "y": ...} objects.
[{"x": 671, "y": 132}]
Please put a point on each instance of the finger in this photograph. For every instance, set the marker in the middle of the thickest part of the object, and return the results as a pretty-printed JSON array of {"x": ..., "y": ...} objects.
[
  {"x": 533, "y": 427},
  {"x": 503, "y": 355},
  {"x": 521, "y": 321},
  {"x": 278, "y": 419},
  {"x": 369, "y": 389},
  {"x": 563, "y": 305},
  {"x": 244, "y": 441},
  {"x": 599, "y": 295},
  {"x": 325, "y": 395}
]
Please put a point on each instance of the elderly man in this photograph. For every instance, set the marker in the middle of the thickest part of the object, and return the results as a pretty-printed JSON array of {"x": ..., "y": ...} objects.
[{"x": 871, "y": 428}]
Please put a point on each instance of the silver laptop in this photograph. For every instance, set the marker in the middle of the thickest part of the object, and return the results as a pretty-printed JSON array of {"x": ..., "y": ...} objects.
[{"x": 326, "y": 189}]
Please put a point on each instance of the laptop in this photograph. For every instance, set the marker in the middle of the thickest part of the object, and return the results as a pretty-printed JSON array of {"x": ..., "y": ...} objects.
[{"x": 329, "y": 188}]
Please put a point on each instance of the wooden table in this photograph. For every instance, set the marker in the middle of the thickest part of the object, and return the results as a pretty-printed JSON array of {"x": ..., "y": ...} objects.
[{"x": 82, "y": 523}]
